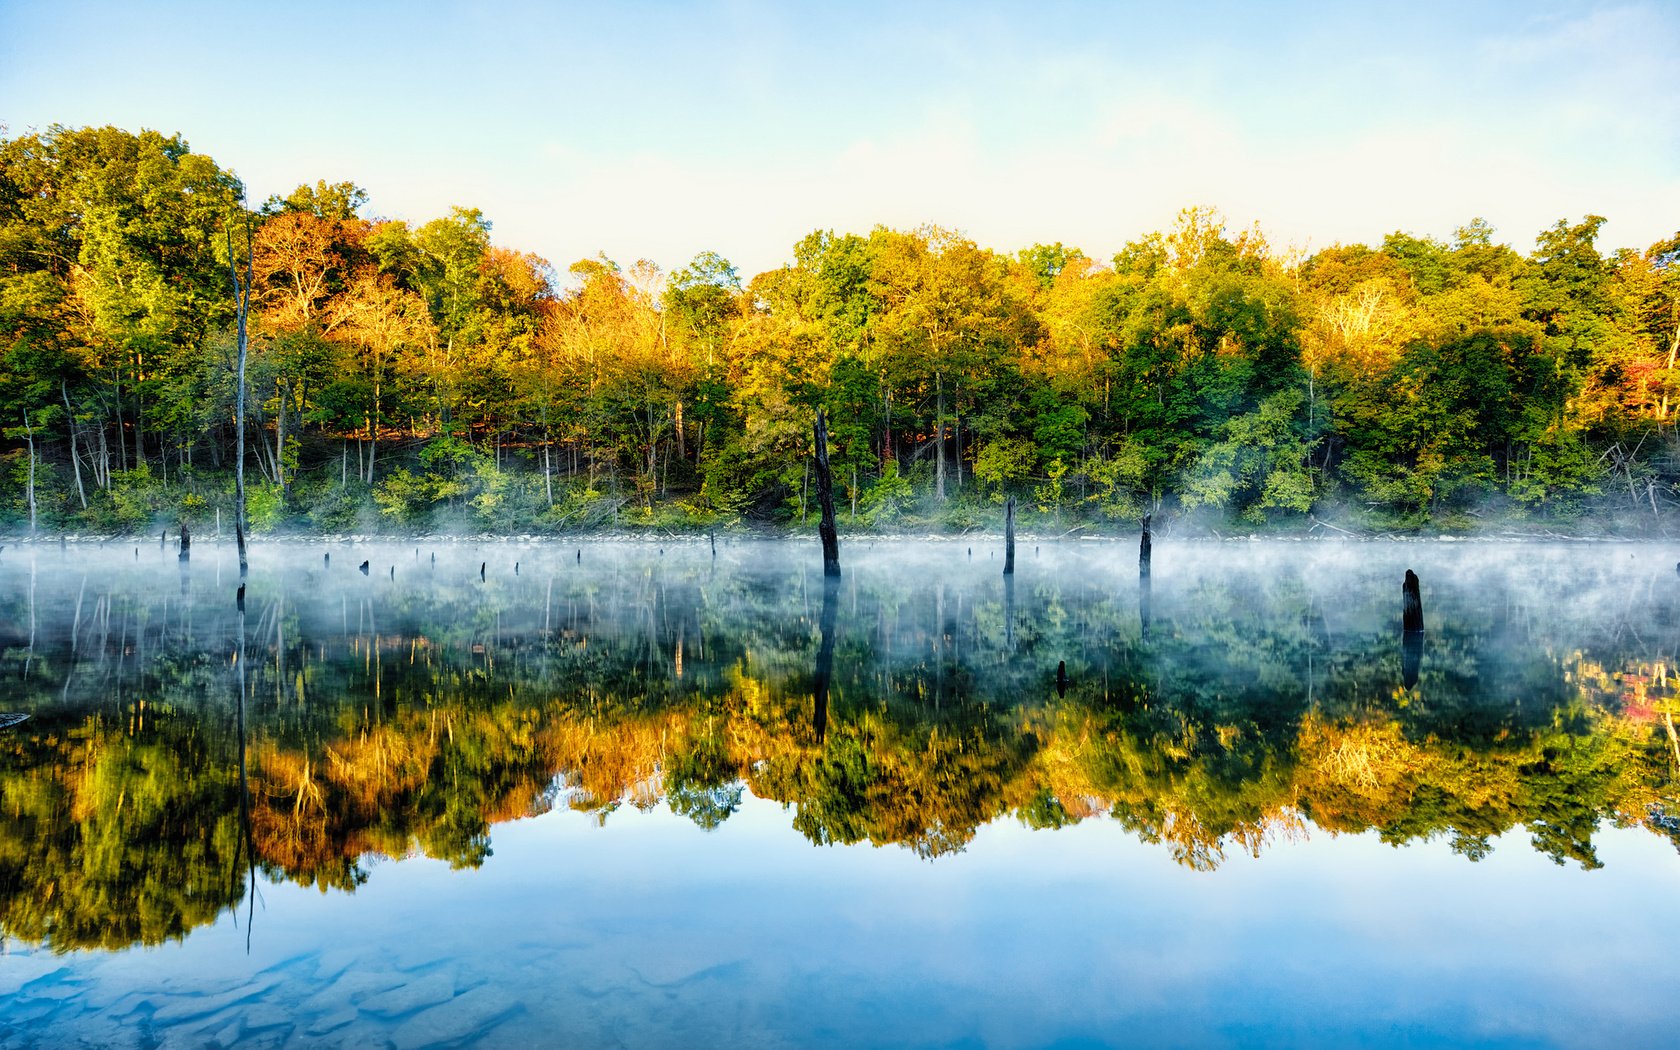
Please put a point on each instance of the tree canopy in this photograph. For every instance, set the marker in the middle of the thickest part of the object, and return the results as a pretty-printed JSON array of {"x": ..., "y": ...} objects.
[{"x": 1199, "y": 373}]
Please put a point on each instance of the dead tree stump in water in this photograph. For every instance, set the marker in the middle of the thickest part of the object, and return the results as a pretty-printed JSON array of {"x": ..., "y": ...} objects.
[
  {"x": 1009, "y": 537},
  {"x": 1143, "y": 548},
  {"x": 825, "y": 501},
  {"x": 1411, "y": 606},
  {"x": 186, "y": 542}
]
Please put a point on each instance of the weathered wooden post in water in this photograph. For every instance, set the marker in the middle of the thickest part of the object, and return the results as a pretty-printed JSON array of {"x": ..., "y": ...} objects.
[
  {"x": 825, "y": 501},
  {"x": 1411, "y": 638},
  {"x": 1143, "y": 548},
  {"x": 1009, "y": 537},
  {"x": 1411, "y": 605}
]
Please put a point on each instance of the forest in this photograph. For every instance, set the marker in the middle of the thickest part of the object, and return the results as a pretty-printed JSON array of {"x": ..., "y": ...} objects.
[{"x": 422, "y": 378}]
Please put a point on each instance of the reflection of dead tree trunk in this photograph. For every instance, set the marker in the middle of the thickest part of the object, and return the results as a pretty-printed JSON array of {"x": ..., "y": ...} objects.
[
  {"x": 1009, "y": 612},
  {"x": 825, "y": 658},
  {"x": 246, "y": 843}
]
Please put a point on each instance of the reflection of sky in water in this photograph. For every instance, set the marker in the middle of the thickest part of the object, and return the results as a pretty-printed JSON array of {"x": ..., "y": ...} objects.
[{"x": 653, "y": 933}]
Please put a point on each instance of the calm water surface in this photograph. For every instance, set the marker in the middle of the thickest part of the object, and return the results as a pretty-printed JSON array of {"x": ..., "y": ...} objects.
[{"x": 618, "y": 794}]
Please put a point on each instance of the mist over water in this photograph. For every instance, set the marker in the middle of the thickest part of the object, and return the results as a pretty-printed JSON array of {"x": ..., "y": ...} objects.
[{"x": 646, "y": 729}]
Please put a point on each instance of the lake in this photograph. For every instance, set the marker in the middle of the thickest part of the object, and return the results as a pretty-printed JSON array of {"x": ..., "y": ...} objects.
[{"x": 597, "y": 793}]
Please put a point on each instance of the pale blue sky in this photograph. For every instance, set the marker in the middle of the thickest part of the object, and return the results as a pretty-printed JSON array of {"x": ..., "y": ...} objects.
[{"x": 660, "y": 130}]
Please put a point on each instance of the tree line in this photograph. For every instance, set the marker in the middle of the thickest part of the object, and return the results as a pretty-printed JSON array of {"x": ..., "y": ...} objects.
[{"x": 417, "y": 377}]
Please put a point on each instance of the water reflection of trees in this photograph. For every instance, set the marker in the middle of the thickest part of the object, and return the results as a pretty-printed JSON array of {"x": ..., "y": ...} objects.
[{"x": 402, "y": 720}]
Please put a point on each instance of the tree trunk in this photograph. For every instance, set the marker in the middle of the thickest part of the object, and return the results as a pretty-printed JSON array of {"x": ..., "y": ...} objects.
[
  {"x": 139, "y": 417},
  {"x": 242, "y": 300},
  {"x": 548, "y": 468},
  {"x": 122, "y": 434},
  {"x": 102, "y": 471},
  {"x": 280, "y": 446},
  {"x": 373, "y": 434},
  {"x": 939, "y": 438},
  {"x": 958, "y": 441},
  {"x": 825, "y": 500},
  {"x": 29, "y": 432},
  {"x": 886, "y": 441},
  {"x": 1009, "y": 537}
]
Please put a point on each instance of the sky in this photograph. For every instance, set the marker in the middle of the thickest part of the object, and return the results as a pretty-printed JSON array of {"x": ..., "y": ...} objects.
[{"x": 661, "y": 130}]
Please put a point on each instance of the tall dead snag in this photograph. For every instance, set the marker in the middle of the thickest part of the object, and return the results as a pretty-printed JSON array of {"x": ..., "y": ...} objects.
[
  {"x": 186, "y": 542},
  {"x": 1009, "y": 537},
  {"x": 1411, "y": 605},
  {"x": 825, "y": 502},
  {"x": 29, "y": 432},
  {"x": 242, "y": 305},
  {"x": 1143, "y": 548}
]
